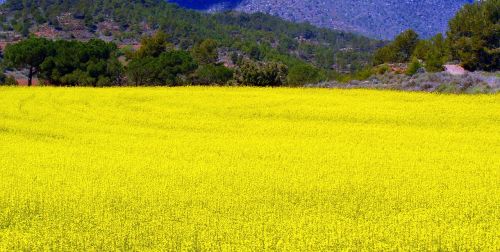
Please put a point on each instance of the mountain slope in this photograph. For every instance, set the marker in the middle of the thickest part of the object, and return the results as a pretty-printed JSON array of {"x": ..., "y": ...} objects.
[
  {"x": 376, "y": 18},
  {"x": 259, "y": 36}
]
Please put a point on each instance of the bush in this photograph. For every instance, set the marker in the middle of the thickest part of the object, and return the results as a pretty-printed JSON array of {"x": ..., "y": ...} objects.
[
  {"x": 211, "y": 74},
  {"x": 141, "y": 71},
  {"x": 7, "y": 80},
  {"x": 414, "y": 66},
  {"x": 206, "y": 52},
  {"x": 170, "y": 68},
  {"x": 76, "y": 63},
  {"x": 359, "y": 75},
  {"x": 104, "y": 82},
  {"x": 173, "y": 66},
  {"x": 433, "y": 52},
  {"x": 381, "y": 69},
  {"x": 154, "y": 46},
  {"x": 2, "y": 77},
  {"x": 398, "y": 51},
  {"x": 262, "y": 74},
  {"x": 303, "y": 74},
  {"x": 78, "y": 78},
  {"x": 434, "y": 64}
]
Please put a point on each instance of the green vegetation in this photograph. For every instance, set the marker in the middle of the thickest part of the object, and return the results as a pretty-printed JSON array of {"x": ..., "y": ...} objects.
[
  {"x": 206, "y": 53},
  {"x": 154, "y": 46},
  {"x": 474, "y": 36},
  {"x": 473, "y": 39},
  {"x": 413, "y": 67},
  {"x": 65, "y": 62},
  {"x": 302, "y": 74},
  {"x": 95, "y": 63},
  {"x": 258, "y": 37},
  {"x": 433, "y": 52},
  {"x": 400, "y": 50},
  {"x": 211, "y": 74},
  {"x": 184, "y": 47},
  {"x": 169, "y": 68},
  {"x": 30, "y": 54},
  {"x": 2, "y": 77},
  {"x": 262, "y": 74}
]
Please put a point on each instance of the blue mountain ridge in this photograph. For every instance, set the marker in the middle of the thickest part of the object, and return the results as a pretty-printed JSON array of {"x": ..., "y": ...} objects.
[{"x": 375, "y": 18}]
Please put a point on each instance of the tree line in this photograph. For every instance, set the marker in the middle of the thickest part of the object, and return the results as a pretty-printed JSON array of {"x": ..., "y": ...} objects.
[
  {"x": 272, "y": 58},
  {"x": 157, "y": 62},
  {"x": 259, "y": 36}
]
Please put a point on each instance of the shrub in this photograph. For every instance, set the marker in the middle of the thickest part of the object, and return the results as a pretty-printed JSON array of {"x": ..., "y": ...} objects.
[
  {"x": 104, "y": 82},
  {"x": 303, "y": 74},
  {"x": 211, "y": 74},
  {"x": 414, "y": 66},
  {"x": 6, "y": 80},
  {"x": 170, "y": 68},
  {"x": 11, "y": 81},
  {"x": 206, "y": 52},
  {"x": 2, "y": 77},
  {"x": 78, "y": 78},
  {"x": 154, "y": 46},
  {"x": 400, "y": 50},
  {"x": 262, "y": 74},
  {"x": 381, "y": 69},
  {"x": 141, "y": 71}
]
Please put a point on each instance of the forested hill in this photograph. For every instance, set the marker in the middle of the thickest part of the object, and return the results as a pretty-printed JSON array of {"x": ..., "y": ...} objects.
[
  {"x": 377, "y": 18},
  {"x": 261, "y": 36}
]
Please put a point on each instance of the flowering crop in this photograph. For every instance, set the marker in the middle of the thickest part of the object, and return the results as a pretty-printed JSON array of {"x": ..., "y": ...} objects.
[{"x": 246, "y": 169}]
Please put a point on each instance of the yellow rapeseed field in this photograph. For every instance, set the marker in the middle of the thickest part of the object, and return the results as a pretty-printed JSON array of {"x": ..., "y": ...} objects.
[{"x": 248, "y": 169}]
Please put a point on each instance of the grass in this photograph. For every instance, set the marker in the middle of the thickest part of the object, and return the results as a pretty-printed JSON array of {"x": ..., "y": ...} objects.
[{"x": 246, "y": 169}]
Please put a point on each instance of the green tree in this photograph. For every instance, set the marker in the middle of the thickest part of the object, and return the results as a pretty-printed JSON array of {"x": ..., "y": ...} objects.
[
  {"x": 434, "y": 52},
  {"x": 422, "y": 49},
  {"x": 81, "y": 63},
  {"x": 173, "y": 66},
  {"x": 141, "y": 70},
  {"x": 398, "y": 51},
  {"x": 206, "y": 52},
  {"x": 386, "y": 54},
  {"x": 27, "y": 54},
  {"x": 255, "y": 53},
  {"x": 303, "y": 74},
  {"x": 168, "y": 69},
  {"x": 154, "y": 46},
  {"x": 437, "y": 55},
  {"x": 212, "y": 74},
  {"x": 404, "y": 45},
  {"x": 78, "y": 78},
  {"x": 414, "y": 66},
  {"x": 262, "y": 73},
  {"x": 474, "y": 35},
  {"x": 114, "y": 71}
]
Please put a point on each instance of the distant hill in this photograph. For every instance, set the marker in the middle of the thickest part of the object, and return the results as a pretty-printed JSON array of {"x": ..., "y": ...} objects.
[
  {"x": 260, "y": 36},
  {"x": 376, "y": 18}
]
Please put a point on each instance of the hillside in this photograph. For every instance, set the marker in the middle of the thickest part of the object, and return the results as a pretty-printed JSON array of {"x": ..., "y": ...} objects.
[
  {"x": 125, "y": 22},
  {"x": 375, "y": 18}
]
